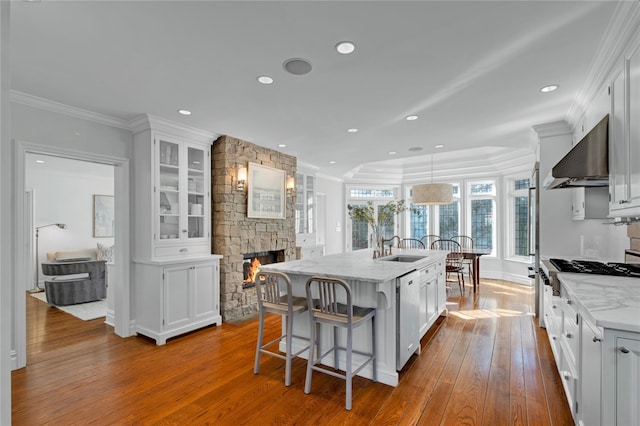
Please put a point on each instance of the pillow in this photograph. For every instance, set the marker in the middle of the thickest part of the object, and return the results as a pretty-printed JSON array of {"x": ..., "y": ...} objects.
[{"x": 105, "y": 253}]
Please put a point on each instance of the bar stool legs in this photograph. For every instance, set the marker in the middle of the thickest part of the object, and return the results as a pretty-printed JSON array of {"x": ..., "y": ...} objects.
[{"x": 327, "y": 310}]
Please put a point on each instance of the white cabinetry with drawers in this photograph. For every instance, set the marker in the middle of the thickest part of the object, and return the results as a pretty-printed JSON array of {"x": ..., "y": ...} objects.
[{"x": 176, "y": 278}]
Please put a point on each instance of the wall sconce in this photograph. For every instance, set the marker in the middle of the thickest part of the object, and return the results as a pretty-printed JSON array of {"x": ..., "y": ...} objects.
[
  {"x": 291, "y": 185},
  {"x": 242, "y": 176}
]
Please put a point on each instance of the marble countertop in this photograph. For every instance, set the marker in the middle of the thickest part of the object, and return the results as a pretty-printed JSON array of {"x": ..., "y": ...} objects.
[
  {"x": 357, "y": 265},
  {"x": 608, "y": 301}
]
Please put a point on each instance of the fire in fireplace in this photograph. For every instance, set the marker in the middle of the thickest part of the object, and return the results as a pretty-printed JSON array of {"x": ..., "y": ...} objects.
[{"x": 252, "y": 262}]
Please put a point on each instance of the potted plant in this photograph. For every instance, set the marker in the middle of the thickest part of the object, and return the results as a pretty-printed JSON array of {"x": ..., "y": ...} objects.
[{"x": 385, "y": 217}]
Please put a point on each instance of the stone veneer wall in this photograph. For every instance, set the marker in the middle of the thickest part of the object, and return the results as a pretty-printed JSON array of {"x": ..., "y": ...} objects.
[{"x": 233, "y": 232}]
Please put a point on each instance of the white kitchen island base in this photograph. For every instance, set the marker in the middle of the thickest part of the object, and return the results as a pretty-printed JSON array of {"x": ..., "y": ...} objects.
[{"x": 374, "y": 285}]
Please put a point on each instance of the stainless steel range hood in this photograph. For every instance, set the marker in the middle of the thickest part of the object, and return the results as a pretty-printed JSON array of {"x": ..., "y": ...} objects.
[{"x": 587, "y": 164}]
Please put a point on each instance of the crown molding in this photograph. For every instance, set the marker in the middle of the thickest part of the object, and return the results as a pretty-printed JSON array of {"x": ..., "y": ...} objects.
[
  {"x": 148, "y": 121},
  {"x": 59, "y": 108},
  {"x": 557, "y": 128},
  {"x": 622, "y": 29}
]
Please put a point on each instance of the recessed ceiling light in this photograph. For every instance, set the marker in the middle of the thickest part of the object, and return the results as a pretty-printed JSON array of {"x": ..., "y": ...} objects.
[
  {"x": 549, "y": 88},
  {"x": 282, "y": 145},
  {"x": 345, "y": 47},
  {"x": 352, "y": 130},
  {"x": 332, "y": 162},
  {"x": 40, "y": 161},
  {"x": 411, "y": 117},
  {"x": 392, "y": 153},
  {"x": 415, "y": 148},
  {"x": 297, "y": 66},
  {"x": 439, "y": 146},
  {"x": 265, "y": 79},
  {"x": 184, "y": 112}
]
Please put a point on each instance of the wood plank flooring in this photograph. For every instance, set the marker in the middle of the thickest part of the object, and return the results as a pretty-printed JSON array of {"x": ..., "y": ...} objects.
[{"x": 486, "y": 363}]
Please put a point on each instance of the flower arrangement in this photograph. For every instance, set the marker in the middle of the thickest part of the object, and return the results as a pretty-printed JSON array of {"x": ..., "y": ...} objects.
[{"x": 385, "y": 217}]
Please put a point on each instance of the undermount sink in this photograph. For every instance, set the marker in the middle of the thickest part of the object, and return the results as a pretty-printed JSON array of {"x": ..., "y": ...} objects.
[{"x": 403, "y": 258}]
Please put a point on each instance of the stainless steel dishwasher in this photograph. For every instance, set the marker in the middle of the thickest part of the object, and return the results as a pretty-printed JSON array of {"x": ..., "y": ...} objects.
[{"x": 407, "y": 317}]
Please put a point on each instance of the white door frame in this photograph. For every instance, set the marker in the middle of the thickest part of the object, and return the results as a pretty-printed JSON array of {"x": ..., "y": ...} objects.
[{"x": 121, "y": 279}]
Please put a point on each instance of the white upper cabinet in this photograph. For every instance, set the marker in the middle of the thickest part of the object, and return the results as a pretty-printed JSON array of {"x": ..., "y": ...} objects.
[
  {"x": 172, "y": 190},
  {"x": 624, "y": 139}
]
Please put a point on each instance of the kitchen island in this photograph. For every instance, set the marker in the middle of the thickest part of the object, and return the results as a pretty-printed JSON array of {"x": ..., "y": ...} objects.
[{"x": 403, "y": 313}]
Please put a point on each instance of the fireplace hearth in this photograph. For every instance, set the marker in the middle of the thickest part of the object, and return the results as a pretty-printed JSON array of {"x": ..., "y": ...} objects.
[{"x": 252, "y": 261}]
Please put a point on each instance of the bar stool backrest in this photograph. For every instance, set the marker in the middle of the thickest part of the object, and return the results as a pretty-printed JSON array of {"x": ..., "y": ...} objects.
[
  {"x": 273, "y": 288},
  {"x": 325, "y": 301}
]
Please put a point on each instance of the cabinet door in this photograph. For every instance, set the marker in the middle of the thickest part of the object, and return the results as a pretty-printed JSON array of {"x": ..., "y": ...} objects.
[
  {"x": 590, "y": 375},
  {"x": 197, "y": 200},
  {"x": 634, "y": 130},
  {"x": 168, "y": 199},
  {"x": 423, "y": 308},
  {"x": 627, "y": 381},
  {"x": 617, "y": 144},
  {"x": 205, "y": 290},
  {"x": 432, "y": 298},
  {"x": 177, "y": 297}
]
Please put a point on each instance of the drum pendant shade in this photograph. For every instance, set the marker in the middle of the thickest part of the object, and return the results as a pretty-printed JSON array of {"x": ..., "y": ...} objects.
[{"x": 433, "y": 194}]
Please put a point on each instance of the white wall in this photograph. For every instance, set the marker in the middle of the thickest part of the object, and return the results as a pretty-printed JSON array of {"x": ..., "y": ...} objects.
[
  {"x": 66, "y": 197},
  {"x": 334, "y": 214}
]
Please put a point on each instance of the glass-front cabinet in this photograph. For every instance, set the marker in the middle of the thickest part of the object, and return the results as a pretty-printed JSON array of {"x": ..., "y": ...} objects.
[
  {"x": 182, "y": 191},
  {"x": 172, "y": 194}
]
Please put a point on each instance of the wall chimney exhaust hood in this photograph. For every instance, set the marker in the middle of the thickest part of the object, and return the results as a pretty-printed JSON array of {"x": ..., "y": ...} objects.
[{"x": 587, "y": 164}]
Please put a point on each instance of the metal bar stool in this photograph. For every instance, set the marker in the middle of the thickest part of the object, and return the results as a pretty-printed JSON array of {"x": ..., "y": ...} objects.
[
  {"x": 274, "y": 295},
  {"x": 326, "y": 309}
]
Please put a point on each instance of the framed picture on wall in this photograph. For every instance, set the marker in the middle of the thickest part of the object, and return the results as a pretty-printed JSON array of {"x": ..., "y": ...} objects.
[
  {"x": 266, "y": 192},
  {"x": 103, "y": 216}
]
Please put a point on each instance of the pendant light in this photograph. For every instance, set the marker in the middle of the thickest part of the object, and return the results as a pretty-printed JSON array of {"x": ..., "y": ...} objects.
[{"x": 432, "y": 193}]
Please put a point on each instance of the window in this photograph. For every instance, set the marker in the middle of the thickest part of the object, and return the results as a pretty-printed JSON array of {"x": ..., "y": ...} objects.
[
  {"x": 449, "y": 216},
  {"x": 418, "y": 221},
  {"x": 519, "y": 202},
  {"x": 482, "y": 217},
  {"x": 305, "y": 204}
]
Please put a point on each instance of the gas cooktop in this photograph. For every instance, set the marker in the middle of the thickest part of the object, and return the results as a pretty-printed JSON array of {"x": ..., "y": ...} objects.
[{"x": 599, "y": 268}]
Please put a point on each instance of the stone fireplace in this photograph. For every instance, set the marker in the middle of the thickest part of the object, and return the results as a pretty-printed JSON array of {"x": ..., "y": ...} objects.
[
  {"x": 252, "y": 262},
  {"x": 234, "y": 235}
]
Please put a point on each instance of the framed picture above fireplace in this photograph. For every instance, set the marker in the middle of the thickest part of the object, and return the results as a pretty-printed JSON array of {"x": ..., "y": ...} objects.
[{"x": 266, "y": 192}]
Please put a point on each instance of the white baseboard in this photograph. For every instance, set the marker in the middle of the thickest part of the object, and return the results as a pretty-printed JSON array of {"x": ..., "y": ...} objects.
[{"x": 516, "y": 278}]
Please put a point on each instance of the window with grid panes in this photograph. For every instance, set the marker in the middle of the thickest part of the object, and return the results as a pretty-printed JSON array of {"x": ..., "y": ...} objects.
[
  {"x": 449, "y": 216},
  {"x": 520, "y": 224},
  {"x": 482, "y": 217}
]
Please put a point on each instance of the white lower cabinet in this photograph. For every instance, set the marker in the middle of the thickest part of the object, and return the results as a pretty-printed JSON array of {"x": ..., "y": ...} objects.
[
  {"x": 173, "y": 298},
  {"x": 432, "y": 294},
  {"x": 621, "y": 378},
  {"x": 590, "y": 389},
  {"x": 599, "y": 367}
]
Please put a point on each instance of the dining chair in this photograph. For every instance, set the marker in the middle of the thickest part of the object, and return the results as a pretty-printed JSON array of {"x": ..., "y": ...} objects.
[
  {"x": 274, "y": 295},
  {"x": 411, "y": 243},
  {"x": 466, "y": 243},
  {"x": 326, "y": 309},
  {"x": 428, "y": 239},
  {"x": 454, "y": 261}
]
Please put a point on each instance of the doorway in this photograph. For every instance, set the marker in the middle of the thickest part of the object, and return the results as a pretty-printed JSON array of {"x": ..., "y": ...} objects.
[{"x": 120, "y": 278}]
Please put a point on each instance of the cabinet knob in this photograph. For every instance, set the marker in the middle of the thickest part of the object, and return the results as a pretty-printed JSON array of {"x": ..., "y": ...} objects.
[
  {"x": 596, "y": 340},
  {"x": 555, "y": 307},
  {"x": 566, "y": 375},
  {"x": 569, "y": 302},
  {"x": 184, "y": 230},
  {"x": 569, "y": 336},
  {"x": 624, "y": 350}
]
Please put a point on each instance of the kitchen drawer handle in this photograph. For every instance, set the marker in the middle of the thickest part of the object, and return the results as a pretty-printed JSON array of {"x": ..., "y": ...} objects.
[
  {"x": 596, "y": 340},
  {"x": 624, "y": 350},
  {"x": 184, "y": 250}
]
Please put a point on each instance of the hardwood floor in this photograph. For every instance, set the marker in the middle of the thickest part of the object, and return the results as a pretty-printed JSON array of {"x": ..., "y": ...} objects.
[{"x": 486, "y": 363}]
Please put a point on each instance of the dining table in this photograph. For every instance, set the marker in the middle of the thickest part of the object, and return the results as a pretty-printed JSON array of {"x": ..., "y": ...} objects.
[{"x": 474, "y": 254}]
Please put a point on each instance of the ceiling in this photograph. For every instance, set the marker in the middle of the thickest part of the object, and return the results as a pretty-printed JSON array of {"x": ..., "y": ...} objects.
[{"x": 472, "y": 71}]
